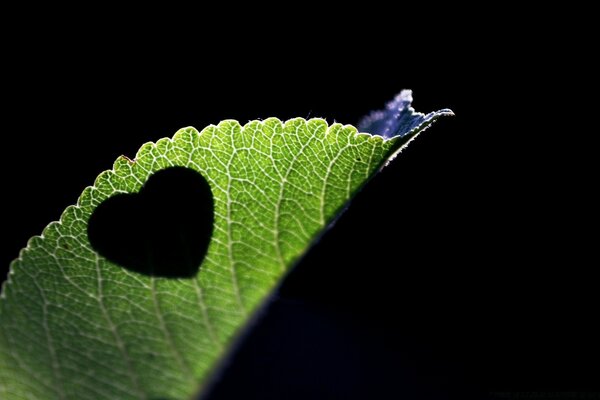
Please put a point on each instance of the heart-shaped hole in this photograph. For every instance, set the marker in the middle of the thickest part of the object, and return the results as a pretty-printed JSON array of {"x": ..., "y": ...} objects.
[{"x": 163, "y": 230}]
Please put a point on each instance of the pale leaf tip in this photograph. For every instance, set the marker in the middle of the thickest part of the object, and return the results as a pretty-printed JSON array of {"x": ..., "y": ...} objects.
[{"x": 398, "y": 118}]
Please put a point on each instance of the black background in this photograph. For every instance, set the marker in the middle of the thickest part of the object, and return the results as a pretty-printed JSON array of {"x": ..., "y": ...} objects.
[{"x": 464, "y": 269}]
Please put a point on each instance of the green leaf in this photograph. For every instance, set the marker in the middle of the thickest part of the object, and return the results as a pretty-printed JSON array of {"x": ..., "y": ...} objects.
[{"x": 74, "y": 325}]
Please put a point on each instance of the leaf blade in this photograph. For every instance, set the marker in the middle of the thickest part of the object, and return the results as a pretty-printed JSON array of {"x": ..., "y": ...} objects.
[{"x": 95, "y": 330}]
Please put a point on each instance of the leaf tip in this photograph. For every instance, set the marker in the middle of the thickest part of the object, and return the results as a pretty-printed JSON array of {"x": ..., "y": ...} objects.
[
  {"x": 445, "y": 112},
  {"x": 398, "y": 118}
]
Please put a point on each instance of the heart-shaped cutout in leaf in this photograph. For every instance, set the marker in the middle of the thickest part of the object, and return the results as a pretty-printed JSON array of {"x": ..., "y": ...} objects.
[{"x": 164, "y": 230}]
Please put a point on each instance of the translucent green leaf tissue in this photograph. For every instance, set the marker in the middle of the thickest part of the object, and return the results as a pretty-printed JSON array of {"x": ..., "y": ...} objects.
[{"x": 76, "y": 325}]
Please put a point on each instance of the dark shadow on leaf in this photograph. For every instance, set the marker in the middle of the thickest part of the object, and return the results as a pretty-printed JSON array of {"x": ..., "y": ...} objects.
[{"x": 164, "y": 230}]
